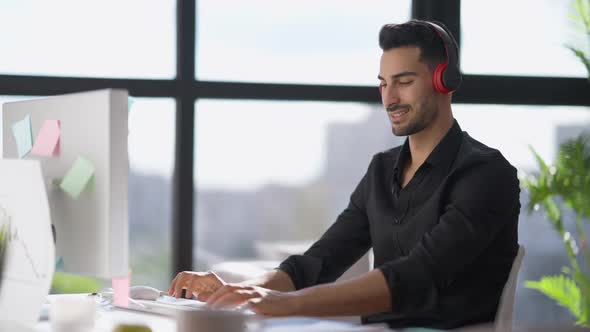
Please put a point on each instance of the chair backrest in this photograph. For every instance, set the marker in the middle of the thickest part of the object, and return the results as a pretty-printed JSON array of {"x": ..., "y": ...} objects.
[{"x": 503, "y": 320}]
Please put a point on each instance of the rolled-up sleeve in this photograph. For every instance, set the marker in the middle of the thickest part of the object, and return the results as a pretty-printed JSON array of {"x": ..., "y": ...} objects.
[
  {"x": 345, "y": 241},
  {"x": 482, "y": 201}
]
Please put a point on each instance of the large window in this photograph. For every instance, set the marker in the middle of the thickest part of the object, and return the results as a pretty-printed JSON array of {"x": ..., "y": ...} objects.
[
  {"x": 277, "y": 171},
  {"x": 107, "y": 38},
  {"x": 320, "y": 42},
  {"x": 269, "y": 175},
  {"x": 520, "y": 38},
  {"x": 151, "y": 162}
]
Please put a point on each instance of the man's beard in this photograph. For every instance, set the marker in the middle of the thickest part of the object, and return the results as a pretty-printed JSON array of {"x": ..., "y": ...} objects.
[{"x": 421, "y": 118}]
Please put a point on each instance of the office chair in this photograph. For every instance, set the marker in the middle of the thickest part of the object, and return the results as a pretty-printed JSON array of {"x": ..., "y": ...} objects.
[{"x": 503, "y": 320}]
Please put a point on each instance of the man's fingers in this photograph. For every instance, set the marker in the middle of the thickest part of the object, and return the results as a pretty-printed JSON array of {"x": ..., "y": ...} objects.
[
  {"x": 189, "y": 293},
  {"x": 219, "y": 293},
  {"x": 203, "y": 296},
  {"x": 254, "y": 304},
  {"x": 171, "y": 288},
  {"x": 233, "y": 299},
  {"x": 215, "y": 278},
  {"x": 194, "y": 282},
  {"x": 180, "y": 284}
]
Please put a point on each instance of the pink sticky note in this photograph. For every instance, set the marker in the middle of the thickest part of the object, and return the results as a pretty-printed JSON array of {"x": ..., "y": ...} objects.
[
  {"x": 121, "y": 291},
  {"x": 47, "y": 142}
]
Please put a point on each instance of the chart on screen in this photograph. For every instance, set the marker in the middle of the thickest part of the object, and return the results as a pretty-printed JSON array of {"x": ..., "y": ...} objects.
[
  {"x": 20, "y": 265},
  {"x": 29, "y": 260}
]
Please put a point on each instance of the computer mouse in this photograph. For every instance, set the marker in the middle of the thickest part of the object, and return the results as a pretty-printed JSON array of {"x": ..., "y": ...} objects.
[{"x": 144, "y": 293}]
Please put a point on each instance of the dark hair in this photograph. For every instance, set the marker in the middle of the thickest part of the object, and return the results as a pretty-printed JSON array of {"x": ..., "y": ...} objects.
[{"x": 419, "y": 34}]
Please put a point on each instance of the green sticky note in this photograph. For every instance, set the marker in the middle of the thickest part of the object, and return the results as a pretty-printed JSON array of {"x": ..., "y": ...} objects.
[
  {"x": 78, "y": 177},
  {"x": 24, "y": 138}
]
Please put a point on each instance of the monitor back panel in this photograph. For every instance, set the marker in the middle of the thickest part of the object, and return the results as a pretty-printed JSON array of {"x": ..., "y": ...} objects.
[{"x": 92, "y": 230}]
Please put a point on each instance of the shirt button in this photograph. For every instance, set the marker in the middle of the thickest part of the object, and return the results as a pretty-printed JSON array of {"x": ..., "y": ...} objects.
[{"x": 395, "y": 220}]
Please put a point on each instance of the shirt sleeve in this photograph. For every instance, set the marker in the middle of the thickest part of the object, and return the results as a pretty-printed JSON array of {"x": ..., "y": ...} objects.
[
  {"x": 344, "y": 243},
  {"x": 483, "y": 200}
]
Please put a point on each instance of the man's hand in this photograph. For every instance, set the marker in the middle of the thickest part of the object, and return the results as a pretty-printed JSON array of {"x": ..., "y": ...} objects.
[
  {"x": 201, "y": 284},
  {"x": 261, "y": 300}
]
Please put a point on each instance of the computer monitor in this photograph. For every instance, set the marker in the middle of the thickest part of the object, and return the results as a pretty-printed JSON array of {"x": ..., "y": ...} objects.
[
  {"x": 91, "y": 228},
  {"x": 28, "y": 259}
]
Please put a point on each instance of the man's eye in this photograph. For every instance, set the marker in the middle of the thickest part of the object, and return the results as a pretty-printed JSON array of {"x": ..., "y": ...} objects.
[{"x": 405, "y": 83}]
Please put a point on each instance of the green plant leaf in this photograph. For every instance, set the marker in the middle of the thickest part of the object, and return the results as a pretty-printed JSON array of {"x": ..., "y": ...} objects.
[
  {"x": 540, "y": 161},
  {"x": 66, "y": 283},
  {"x": 562, "y": 290},
  {"x": 553, "y": 211}
]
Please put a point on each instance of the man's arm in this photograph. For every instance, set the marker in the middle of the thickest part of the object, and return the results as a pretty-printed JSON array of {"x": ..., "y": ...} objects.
[
  {"x": 275, "y": 280},
  {"x": 363, "y": 295},
  {"x": 344, "y": 243},
  {"x": 340, "y": 246},
  {"x": 483, "y": 201}
]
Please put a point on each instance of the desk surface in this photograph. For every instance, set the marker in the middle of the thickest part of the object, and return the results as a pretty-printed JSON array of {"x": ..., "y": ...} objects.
[{"x": 108, "y": 319}]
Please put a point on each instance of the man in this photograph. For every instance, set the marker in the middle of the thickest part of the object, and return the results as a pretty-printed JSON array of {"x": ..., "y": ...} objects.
[{"x": 440, "y": 213}]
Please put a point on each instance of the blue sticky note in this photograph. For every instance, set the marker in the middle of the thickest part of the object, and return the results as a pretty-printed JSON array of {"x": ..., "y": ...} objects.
[
  {"x": 59, "y": 264},
  {"x": 130, "y": 102},
  {"x": 24, "y": 138}
]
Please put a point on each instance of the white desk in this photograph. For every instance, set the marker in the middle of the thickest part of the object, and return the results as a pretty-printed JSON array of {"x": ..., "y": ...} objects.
[{"x": 107, "y": 319}]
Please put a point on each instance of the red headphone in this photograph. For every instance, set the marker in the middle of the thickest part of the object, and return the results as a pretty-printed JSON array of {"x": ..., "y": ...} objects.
[{"x": 446, "y": 77}]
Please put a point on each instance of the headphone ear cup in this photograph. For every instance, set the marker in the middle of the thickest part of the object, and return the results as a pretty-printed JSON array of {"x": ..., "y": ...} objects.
[
  {"x": 437, "y": 79},
  {"x": 451, "y": 78}
]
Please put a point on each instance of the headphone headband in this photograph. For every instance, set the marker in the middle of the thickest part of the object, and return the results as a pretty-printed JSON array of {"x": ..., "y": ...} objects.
[{"x": 447, "y": 76}]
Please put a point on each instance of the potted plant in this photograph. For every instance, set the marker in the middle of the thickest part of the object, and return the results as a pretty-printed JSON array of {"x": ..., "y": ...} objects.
[
  {"x": 3, "y": 246},
  {"x": 566, "y": 183}
]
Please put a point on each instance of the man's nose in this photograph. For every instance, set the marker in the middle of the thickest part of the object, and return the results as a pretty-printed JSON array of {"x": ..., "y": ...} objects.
[{"x": 389, "y": 95}]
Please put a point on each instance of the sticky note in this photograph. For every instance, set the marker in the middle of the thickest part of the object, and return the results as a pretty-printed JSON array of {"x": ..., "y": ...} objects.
[
  {"x": 59, "y": 264},
  {"x": 78, "y": 177},
  {"x": 130, "y": 102},
  {"x": 121, "y": 291},
  {"x": 47, "y": 142},
  {"x": 22, "y": 133}
]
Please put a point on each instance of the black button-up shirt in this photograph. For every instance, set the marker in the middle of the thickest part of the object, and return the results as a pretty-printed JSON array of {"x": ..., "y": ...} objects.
[{"x": 445, "y": 242}]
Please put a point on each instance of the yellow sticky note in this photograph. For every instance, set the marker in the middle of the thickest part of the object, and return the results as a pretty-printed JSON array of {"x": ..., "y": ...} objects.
[
  {"x": 78, "y": 177},
  {"x": 23, "y": 136}
]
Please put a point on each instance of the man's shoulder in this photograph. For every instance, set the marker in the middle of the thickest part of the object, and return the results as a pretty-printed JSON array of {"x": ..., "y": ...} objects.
[
  {"x": 473, "y": 153},
  {"x": 388, "y": 156}
]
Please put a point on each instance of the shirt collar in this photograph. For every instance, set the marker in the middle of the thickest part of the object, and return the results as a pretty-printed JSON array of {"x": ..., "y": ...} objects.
[
  {"x": 445, "y": 151},
  {"x": 443, "y": 154},
  {"x": 402, "y": 157}
]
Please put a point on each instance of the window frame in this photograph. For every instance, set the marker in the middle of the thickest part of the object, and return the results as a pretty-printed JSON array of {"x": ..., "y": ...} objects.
[{"x": 186, "y": 90}]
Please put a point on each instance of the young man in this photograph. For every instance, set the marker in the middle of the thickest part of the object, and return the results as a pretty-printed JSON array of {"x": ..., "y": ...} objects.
[{"x": 440, "y": 213}]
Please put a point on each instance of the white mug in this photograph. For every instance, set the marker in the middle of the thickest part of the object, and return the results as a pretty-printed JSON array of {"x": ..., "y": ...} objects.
[
  {"x": 211, "y": 320},
  {"x": 72, "y": 313}
]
